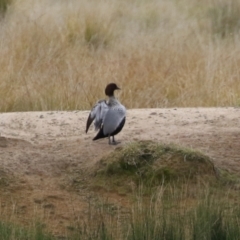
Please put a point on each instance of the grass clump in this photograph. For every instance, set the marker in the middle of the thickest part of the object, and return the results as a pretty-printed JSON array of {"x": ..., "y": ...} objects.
[
  {"x": 9, "y": 231},
  {"x": 229, "y": 179},
  {"x": 4, "y": 4},
  {"x": 206, "y": 215},
  {"x": 153, "y": 163},
  {"x": 225, "y": 18},
  {"x": 210, "y": 217},
  {"x": 96, "y": 34}
]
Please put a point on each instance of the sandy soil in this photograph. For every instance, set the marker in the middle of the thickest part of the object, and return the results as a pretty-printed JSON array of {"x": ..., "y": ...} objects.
[{"x": 38, "y": 150}]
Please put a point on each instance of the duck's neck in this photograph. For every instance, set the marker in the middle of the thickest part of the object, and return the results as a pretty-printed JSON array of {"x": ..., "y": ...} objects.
[{"x": 112, "y": 101}]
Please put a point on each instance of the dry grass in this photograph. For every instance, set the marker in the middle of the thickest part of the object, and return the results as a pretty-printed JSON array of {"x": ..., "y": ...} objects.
[{"x": 60, "y": 55}]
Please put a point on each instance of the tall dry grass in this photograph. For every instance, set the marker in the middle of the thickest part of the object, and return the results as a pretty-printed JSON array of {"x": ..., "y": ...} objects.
[{"x": 61, "y": 54}]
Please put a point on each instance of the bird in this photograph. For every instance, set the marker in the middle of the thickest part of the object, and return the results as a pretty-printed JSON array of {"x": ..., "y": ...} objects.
[{"x": 109, "y": 116}]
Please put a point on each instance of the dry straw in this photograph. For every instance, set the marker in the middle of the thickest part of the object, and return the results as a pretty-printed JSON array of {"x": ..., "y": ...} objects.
[{"x": 61, "y": 54}]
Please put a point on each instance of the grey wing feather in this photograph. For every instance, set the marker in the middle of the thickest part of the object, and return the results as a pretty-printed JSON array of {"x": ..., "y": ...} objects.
[
  {"x": 97, "y": 114},
  {"x": 113, "y": 119}
]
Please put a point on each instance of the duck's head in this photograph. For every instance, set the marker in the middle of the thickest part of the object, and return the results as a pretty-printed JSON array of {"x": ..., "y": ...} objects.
[{"x": 110, "y": 88}]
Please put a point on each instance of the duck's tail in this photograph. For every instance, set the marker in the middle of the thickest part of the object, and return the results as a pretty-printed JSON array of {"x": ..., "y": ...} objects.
[{"x": 99, "y": 135}]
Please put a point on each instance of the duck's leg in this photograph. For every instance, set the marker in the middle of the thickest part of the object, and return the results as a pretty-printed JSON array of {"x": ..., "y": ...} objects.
[
  {"x": 113, "y": 140},
  {"x": 109, "y": 140}
]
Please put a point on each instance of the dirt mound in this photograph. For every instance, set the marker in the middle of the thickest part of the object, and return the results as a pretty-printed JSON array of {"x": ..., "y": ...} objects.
[{"x": 151, "y": 163}]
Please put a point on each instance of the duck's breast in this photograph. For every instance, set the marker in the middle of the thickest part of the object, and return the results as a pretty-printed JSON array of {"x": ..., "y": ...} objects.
[{"x": 113, "y": 119}]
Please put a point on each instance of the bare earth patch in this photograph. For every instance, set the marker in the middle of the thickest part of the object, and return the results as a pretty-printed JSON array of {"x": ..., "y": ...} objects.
[{"x": 40, "y": 150}]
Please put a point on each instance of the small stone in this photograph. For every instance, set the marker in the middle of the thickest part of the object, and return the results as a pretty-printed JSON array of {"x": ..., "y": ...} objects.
[{"x": 153, "y": 113}]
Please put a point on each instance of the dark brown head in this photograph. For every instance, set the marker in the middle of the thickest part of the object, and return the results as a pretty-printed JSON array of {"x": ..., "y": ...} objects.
[{"x": 110, "y": 88}]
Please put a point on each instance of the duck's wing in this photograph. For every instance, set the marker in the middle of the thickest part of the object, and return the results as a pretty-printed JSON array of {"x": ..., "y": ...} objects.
[
  {"x": 97, "y": 114},
  {"x": 113, "y": 119}
]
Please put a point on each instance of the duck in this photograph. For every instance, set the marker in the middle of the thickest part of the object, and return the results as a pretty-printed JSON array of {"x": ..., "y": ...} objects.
[{"x": 109, "y": 116}]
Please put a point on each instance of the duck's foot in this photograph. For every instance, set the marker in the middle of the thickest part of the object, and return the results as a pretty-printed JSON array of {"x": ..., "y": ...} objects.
[{"x": 113, "y": 142}]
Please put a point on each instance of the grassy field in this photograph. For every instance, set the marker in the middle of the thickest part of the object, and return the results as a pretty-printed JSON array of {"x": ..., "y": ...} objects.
[
  {"x": 170, "y": 193},
  {"x": 170, "y": 213},
  {"x": 60, "y": 55},
  {"x": 173, "y": 216}
]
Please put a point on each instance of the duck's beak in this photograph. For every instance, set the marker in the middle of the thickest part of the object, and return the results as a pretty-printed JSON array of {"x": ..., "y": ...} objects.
[{"x": 118, "y": 88}]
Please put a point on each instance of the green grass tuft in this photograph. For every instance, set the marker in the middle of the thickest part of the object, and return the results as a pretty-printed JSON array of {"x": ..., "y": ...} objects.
[
  {"x": 152, "y": 164},
  {"x": 10, "y": 231},
  {"x": 167, "y": 214},
  {"x": 4, "y": 4}
]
